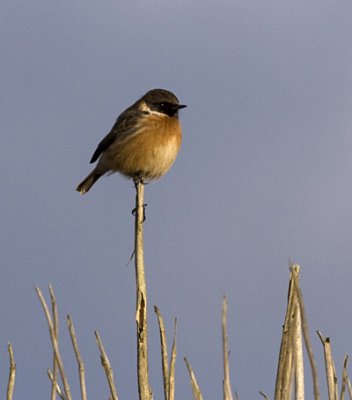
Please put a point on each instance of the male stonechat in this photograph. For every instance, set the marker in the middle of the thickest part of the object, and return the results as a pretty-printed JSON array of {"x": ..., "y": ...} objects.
[{"x": 143, "y": 143}]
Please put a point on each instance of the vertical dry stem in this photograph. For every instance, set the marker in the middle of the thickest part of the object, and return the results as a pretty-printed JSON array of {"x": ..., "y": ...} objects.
[
  {"x": 298, "y": 352},
  {"x": 54, "y": 341},
  {"x": 164, "y": 356},
  {"x": 81, "y": 368},
  {"x": 144, "y": 389},
  {"x": 225, "y": 349},
  {"x": 105, "y": 362},
  {"x": 330, "y": 370},
  {"x": 295, "y": 275},
  {"x": 12, "y": 373},
  {"x": 197, "y": 394}
]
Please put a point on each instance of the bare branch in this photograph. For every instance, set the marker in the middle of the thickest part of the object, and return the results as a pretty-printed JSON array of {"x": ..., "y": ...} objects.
[
  {"x": 295, "y": 275},
  {"x": 297, "y": 347},
  {"x": 225, "y": 353},
  {"x": 12, "y": 373},
  {"x": 55, "y": 343},
  {"x": 330, "y": 370},
  {"x": 144, "y": 389},
  {"x": 197, "y": 394},
  {"x": 80, "y": 362},
  {"x": 172, "y": 366},
  {"x": 107, "y": 367},
  {"x": 344, "y": 378},
  {"x": 57, "y": 387},
  {"x": 54, "y": 312},
  {"x": 164, "y": 356}
]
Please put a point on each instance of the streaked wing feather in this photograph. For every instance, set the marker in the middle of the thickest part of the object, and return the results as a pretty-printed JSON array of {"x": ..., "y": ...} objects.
[{"x": 124, "y": 126}]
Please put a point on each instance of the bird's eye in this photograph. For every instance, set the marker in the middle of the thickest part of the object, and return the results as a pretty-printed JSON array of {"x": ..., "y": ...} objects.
[{"x": 162, "y": 105}]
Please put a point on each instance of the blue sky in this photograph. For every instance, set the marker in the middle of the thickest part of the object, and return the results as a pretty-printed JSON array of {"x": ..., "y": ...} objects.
[{"x": 264, "y": 175}]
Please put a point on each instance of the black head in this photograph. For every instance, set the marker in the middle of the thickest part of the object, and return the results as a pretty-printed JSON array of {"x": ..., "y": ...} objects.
[{"x": 162, "y": 101}]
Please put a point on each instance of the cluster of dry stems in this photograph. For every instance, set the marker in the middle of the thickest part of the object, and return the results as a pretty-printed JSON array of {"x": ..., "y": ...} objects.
[{"x": 290, "y": 372}]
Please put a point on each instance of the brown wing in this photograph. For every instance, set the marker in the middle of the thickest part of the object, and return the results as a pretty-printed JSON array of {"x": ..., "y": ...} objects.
[{"x": 125, "y": 125}]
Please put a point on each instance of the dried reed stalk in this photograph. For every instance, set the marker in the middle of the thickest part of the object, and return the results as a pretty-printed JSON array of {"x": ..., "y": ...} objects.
[
  {"x": 105, "y": 362},
  {"x": 144, "y": 389},
  {"x": 330, "y": 370},
  {"x": 227, "y": 391},
  {"x": 12, "y": 374},
  {"x": 197, "y": 394}
]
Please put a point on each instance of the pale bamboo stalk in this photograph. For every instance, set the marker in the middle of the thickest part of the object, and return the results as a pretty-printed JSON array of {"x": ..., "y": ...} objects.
[
  {"x": 164, "y": 356},
  {"x": 344, "y": 378},
  {"x": 54, "y": 312},
  {"x": 298, "y": 352},
  {"x": 197, "y": 394},
  {"x": 172, "y": 365},
  {"x": 227, "y": 391},
  {"x": 105, "y": 362},
  {"x": 349, "y": 387},
  {"x": 12, "y": 373},
  {"x": 144, "y": 389},
  {"x": 57, "y": 387},
  {"x": 55, "y": 344},
  {"x": 285, "y": 364},
  {"x": 80, "y": 362},
  {"x": 330, "y": 370},
  {"x": 295, "y": 275}
]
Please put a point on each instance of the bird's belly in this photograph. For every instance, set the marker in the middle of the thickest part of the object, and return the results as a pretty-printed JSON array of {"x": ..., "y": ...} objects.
[{"x": 149, "y": 152}]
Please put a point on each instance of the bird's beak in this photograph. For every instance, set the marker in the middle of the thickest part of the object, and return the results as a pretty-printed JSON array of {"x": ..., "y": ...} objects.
[{"x": 181, "y": 106}]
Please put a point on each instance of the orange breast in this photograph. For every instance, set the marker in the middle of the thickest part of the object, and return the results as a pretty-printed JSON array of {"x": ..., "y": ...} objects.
[{"x": 150, "y": 151}]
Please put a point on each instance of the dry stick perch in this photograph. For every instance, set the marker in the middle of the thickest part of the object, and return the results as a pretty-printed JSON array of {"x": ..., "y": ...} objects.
[
  {"x": 12, "y": 373},
  {"x": 144, "y": 389},
  {"x": 107, "y": 367},
  {"x": 54, "y": 311},
  {"x": 349, "y": 387},
  {"x": 164, "y": 356},
  {"x": 295, "y": 274},
  {"x": 81, "y": 369},
  {"x": 298, "y": 351},
  {"x": 227, "y": 391},
  {"x": 285, "y": 365},
  {"x": 330, "y": 370},
  {"x": 57, "y": 387},
  {"x": 344, "y": 378},
  {"x": 197, "y": 394},
  {"x": 55, "y": 343},
  {"x": 172, "y": 366}
]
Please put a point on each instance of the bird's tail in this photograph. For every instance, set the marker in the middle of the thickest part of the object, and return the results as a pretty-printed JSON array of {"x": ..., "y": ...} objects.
[{"x": 88, "y": 182}]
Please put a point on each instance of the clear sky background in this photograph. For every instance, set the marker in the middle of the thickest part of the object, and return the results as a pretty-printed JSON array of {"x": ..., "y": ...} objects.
[{"x": 264, "y": 175}]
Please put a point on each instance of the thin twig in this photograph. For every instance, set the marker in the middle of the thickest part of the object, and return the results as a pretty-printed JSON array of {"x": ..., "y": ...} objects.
[
  {"x": 80, "y": 362},
  {"x": 344, "y": 378},
  {"x": 264, "y": 395},
  {"x": 144, "y": 389},
  {"x": 12, "y": 373},
  {"x": 54, "y": 312},
  {"x": 227, "y": 391},
  {"x": 197, "y": 394},
  {"x": 172, "y": 366},
  {"x": 55, "y": 343},
  {"x": 297, "y": 347},
  {"x": 164, "y": 356},
  {"x": 285, "y": 364},
  {"x": 107, "y": 367},
  {"x": 57, "y": 387},
  {"x": 330, "y": 370},
  {"x": 349, "y": 387},
  {"x": 295, "y": 274}
]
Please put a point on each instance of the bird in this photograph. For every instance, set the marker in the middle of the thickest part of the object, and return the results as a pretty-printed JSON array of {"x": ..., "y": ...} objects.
[{"x": 143, "y": 143}]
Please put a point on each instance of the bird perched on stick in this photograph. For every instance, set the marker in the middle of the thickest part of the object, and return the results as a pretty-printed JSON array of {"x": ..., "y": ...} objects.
[{"x": 143, "y": 143}]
